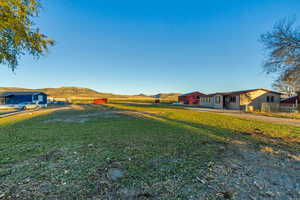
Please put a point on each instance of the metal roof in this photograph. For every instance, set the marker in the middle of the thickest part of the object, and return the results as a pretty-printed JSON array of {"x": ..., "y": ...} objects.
[
  {"x": 187, "y": 94},
  {"x": 240, "y": 92},
  {"x": 7, "y": 94}
]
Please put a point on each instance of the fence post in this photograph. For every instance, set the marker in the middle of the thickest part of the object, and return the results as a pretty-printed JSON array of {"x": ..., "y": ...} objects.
[{"x": 298, "y": 100}]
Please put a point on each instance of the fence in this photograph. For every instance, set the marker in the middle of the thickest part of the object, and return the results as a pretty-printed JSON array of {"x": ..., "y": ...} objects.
[
  {"x": 276, "y": 107},
  {"x": 82, "y": 101},
  {"x": 77, "y": 100},
  {"x": 270, "y": 107},
  {"x": 288, "y": 107}
]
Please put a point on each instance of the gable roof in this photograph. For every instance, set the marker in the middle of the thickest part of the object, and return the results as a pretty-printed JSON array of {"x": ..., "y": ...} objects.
[
  {"x": 245, "y": 91},
  {"x": 211, "y": 95},
  {"x": 7, "y": 94},
  {"x": 187, "y": 94},
  {"x": 239, "y": 92}
]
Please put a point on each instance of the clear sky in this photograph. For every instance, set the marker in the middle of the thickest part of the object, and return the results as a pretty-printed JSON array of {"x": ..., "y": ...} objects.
[{"x": 151, "y": 46}]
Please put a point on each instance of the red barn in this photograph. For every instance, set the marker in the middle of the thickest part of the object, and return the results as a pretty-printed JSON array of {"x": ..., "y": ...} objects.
[
  {"x": 100, "y": 101},
  {"x": 190, "y": 98}
]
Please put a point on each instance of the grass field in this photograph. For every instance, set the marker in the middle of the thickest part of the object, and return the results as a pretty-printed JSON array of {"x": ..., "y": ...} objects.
[
  {"x": 222, "y": 126},
  {"x": 122, "y": 151}
]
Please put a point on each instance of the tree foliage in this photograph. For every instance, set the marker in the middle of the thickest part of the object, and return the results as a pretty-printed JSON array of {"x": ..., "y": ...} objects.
[
  {"x": 18, "y": 33},
  {"x": 283, "y": 45}
]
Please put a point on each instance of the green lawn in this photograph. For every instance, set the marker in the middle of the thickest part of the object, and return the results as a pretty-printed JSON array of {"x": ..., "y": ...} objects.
[
  {"x": 221, "y": 125},
  {"x": 159, "y": 151}
]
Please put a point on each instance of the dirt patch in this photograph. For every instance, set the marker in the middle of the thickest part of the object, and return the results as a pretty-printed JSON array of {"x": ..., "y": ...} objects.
[
  {"x": 82, "y": 118},
  {"x": 137, "y": 114},
  {"x": 53, "y": 155},
  {"x": 248, "y": 173}
]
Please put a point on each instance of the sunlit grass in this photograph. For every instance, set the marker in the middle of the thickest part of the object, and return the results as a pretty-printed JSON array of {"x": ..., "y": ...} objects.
[
  {"x": 149, "y": 150},
  {"x": 161, "y": 149},
  {"x": 217, "y": 121}
]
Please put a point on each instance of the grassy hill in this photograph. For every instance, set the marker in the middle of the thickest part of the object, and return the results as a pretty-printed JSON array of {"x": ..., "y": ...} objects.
[
  {"x": 67, "y": 92},
  {"x": 78, "y": 92},
  {"x": 169, "y": 96}
]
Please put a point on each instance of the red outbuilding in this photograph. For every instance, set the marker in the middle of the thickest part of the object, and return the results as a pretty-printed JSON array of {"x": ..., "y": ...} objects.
[
  {"x": 190, "y": 98},
  {"x": 100, "y": 101}
]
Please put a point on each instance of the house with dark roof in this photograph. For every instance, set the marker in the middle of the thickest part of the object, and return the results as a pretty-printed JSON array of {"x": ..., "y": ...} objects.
[
  {"x": 239, "y": 100},
  {"x": 15, "y": 98},
  {"x": 191, "y": 98}
]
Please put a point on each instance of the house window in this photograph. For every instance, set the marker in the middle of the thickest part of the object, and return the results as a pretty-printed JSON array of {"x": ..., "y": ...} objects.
[
  {"x": 270, "y": 99},
  {"x": 2, "y": 101},
  {"x": 232, "y": 99},
  {"x": 217, "y": 99}
]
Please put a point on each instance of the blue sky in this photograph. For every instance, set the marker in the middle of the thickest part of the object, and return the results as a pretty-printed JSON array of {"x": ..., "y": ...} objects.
[{"x": 139, "y": 46}]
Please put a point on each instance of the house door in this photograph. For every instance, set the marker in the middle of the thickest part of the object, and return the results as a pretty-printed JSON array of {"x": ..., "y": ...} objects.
[
  {"x": 225, "y": 102},
  {"x": 40, "y": 98}
]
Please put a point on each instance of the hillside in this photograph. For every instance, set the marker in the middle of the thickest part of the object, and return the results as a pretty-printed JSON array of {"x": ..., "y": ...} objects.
[
  {"x": 67, "y": 92},
  {"x": 169, "y": 96},
  {"x": 78, "y": 92}
]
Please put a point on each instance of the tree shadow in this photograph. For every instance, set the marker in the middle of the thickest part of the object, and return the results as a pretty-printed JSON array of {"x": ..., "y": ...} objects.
[
  {"x": 255, "y": 137},
  {"x": 181, "y": 151}
]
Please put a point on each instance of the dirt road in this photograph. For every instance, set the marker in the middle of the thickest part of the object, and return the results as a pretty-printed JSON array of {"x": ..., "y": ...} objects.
[{"x": 277, "y": 120}]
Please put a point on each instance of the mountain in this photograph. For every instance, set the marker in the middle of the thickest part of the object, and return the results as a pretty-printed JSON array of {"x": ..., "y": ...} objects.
[
  {"x": 169, "y": 96},
  {"x": 77, "y": 92},
  {"x": 67, "y": 92}
]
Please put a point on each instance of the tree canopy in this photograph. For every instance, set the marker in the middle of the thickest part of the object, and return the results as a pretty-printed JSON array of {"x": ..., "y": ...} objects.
[
  {"x": 283, "y": 46},
  {"x": 18, "y": 33}
]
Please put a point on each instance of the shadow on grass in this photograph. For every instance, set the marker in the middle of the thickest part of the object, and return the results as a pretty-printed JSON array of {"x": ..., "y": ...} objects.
[
  {"x": 30, "y": 136},
  {"x": 165, "y": 154},
  {"x": 31, "y": 129},
  {"x": 151, "y": 105},
  {"x": 255, "y": 135}
]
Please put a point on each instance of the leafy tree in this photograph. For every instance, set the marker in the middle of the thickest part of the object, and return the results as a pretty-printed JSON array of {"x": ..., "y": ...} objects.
[
  {"x": 283, "y": 45},
  {"x": 18, "y": 33}
]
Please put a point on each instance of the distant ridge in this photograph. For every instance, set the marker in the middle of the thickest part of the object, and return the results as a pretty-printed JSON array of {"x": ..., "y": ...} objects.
[
  {"x": 169, "y": 96},
  {"x": 67, "y": 92}
]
